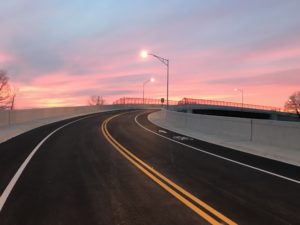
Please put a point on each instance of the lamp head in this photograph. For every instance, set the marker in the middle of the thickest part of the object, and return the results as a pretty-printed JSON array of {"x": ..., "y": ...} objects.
[
  {"x": 152, "y": 79},
  {"x": 144, "y": 54}
]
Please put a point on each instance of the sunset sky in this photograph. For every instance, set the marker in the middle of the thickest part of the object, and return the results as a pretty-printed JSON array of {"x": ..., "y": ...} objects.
[{"x": 58, "y": 53}]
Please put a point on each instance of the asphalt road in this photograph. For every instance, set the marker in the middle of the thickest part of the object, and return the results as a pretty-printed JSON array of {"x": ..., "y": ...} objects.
[{"x": 115, "y": 169}]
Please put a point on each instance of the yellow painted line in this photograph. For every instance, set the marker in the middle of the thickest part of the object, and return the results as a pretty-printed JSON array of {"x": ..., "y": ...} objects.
[
  {"x": 168, "y": 189},
  {"x": 131, "y": 157},
  {"x": 178, "y": 188}
]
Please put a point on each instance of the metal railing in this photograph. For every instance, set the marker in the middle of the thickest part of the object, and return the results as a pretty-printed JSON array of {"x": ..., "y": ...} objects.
[
  {"x": 191, "y": 101},
  {"x": 148, "y": 101}
]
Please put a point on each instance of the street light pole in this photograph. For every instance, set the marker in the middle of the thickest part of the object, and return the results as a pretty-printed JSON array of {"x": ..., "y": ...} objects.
[
  {"x": 242, "y": 92},
  {"x": 168, "y": 84},
  {"x": 242, "y": 98},
  {"x": 166, "y": 62},
  {"x": 147, "y": 81}
]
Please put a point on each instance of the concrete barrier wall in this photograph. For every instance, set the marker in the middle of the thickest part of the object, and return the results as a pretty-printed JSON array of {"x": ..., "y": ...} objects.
[
  {"x": 10, "y": 117},
  {"x": 268, "y": 132},
  {"x": 214, "y": 125},
  {"x": 221, "y": 126},
  {"x": 4, "y": 117},
  {"x": 277, "y": 133}
]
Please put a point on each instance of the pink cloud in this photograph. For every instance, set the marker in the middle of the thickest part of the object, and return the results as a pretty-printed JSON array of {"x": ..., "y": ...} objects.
[
  {"x": 274, "y": 54},
  {"x": 64, "y": 89},
  {"x": 118, "y": 74},
  {"x": 123, "y": 76},
  {"x": 5, "y": 57}
]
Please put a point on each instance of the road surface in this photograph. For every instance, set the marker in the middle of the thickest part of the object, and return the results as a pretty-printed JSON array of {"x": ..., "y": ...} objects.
[{"x": 118, "y": 168}]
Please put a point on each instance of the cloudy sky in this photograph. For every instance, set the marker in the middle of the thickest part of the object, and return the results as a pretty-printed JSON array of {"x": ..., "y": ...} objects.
[{"x": 58, "y": 53}]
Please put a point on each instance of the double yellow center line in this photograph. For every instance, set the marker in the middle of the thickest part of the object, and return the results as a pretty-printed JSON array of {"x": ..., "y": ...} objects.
[{"x": 192, "y": 202}]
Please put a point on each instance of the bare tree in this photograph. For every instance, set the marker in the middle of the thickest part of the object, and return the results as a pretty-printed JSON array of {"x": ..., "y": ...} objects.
[
  {"x": 293, "y": 103},
  {"x": 5, "y": 91},
  {"x": 12, "y": 100},
  {"x": 96, "y": 100}
]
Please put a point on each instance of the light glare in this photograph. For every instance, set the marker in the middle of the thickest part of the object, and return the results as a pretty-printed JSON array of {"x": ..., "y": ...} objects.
[{"x": 144, "y": 54}]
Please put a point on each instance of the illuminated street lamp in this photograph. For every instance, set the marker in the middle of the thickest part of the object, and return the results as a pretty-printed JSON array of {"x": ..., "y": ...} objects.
[
  {"x": 242, "y": 91},
  {"x": 147, "y": 81},
  {"x": 144, "y": 54}
]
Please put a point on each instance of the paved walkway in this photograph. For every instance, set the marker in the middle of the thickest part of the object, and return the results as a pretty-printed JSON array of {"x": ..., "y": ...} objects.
[{"x": 290, "y": 156}]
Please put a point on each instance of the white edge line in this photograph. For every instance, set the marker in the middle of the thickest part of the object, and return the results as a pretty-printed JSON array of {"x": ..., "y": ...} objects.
[
  {"x": 218, "y": 156},
  {"x": 17, "y": 175}
]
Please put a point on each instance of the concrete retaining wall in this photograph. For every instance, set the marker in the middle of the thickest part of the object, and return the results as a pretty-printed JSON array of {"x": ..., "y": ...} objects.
[{"x": 274, "y": 133}]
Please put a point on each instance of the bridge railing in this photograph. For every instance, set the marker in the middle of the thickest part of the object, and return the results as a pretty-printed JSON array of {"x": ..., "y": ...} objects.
[
  {"x": 148, "y": 101},
  {"x": 191, "y": 101}
]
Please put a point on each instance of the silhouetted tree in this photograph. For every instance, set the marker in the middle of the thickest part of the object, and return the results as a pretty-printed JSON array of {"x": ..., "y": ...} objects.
[
  {"x": 96, "y": 100},
  {"x": 293, "y": 103},
  {"x": 5, "y": 91},
  {"x": 12, "y": 100}
]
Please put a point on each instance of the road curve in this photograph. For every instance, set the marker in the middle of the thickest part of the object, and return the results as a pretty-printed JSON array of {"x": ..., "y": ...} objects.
[{"x": 107, "y": 169}]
